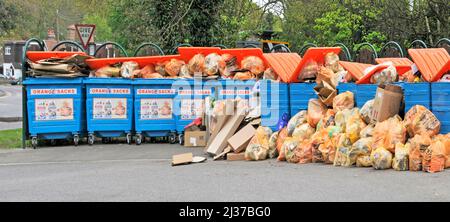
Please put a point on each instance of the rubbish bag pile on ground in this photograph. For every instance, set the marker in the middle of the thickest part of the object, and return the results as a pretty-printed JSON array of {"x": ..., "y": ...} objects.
[{"x": 333, "y": 131}]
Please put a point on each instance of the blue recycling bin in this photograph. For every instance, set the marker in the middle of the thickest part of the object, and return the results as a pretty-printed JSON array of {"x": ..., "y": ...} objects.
[
  {"x": 300, "y": 94},
  {"x": 416, "y": 94},
  {"x": 189, "y": 101},
  {"x": 55, "y": 108},
  {"x": 274, "y": 102},
  {"x": 153, "y": 105},
  {"x": 440, "y": 104},
  {"x": 364, "y": 93},
  {"x": 109, "y": 108}
]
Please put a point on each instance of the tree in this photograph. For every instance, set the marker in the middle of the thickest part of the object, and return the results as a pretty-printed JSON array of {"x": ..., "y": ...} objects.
[{"x": 8, "y": 15}]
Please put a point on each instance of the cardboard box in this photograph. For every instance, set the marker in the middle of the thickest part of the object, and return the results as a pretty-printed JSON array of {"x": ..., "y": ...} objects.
[
  {"x": 387, "y": 102},
  {"x": 235, "y": 156},
  {"x": 240, "y": 140},
  {"x": 219, "y": 143},
  {"x": 195, "y": 138},
  {"x": 184, "y": 158},
  {"x": 326, "y": 93}
]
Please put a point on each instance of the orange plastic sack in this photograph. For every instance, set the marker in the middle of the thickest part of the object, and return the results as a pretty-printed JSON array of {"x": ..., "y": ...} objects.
[
  {"x": 227, "y": 65},
  {"x": 388, "y": 133},
  {"x": 318, "y": 139},
  {"x": 326, "y": 121},
  {"x": 328, "y": 149},
  {"x": 434, "y": 157},
  {"x": 253, "y": 64},
  {"x": 304, "y": 150},
  {"x": 152, "y": 76},
  {"x": 281, "y": 137},
  {"x": 128, "y": 69},
  {"x": 325, "y": 74},
  {"x": 160, "y": 68},
  {"x": 316, "y": 111},
  {"x": 211, "y": 66},
  {"x": 304, "y": 131},
  {"x": 420, "y": 120},
  {"x": 332, "y": 62},
  {"x": 173, "y": 67},
  {"x": 243, "y": 76},
  {"x": 287, "y": 150},
  {"x": 418, "y": 146},
  {"x": 343, "y": 101},
  {"x": 148, "y": 69},
  {"x": 196, "y": 64},
  {"x": 445, "y": 139}
]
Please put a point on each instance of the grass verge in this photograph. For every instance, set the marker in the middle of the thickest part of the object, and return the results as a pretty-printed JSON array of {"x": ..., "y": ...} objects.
[{"x": 10, "y": 139}]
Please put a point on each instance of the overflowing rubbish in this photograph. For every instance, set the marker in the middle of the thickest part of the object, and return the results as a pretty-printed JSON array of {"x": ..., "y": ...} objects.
[{"x": 68, "y": 67}]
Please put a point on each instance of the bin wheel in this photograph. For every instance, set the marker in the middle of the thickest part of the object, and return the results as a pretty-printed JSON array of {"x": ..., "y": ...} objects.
[
  {"x": 172, "y": 138},
  {"x": 139, "y": 139},
  {"x": 53, "y": 142},
  {"x": 76, "y": 139},
  {"x": 34, "y": 142},
  {"x": 91, "y": 139},
  {"x": 181, "y": 139},
  {"x": 129, "y": 138},
  {"x": 106, "y": 140}
]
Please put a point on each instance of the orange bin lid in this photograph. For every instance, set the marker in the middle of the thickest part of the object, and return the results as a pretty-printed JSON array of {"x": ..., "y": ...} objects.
[
  {"x": 142, "y": 61},
  {"x": 357, "y": 70},
  {"x": 432, "y": 63},
  {"x": 402, "y": 65},
  {"x": 284, "y": 64},
  {"x": 241, "y": 53},
  {"x": 316, "y": 54},
  {"x": 35, "y": 56},
  {"x": 186, "y": 53}
]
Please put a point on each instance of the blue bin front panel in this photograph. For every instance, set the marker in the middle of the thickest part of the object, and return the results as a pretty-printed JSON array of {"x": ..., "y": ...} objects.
[
  {"x": 351, "y": 87},
  {"x": 364, "y": 93},
  {"x": 153, "y": 105},
  {"x": 416, "y": 94},
  {"x": 55, "y": 107},
  {"x": 189, "y": 101},
  {"x": 440, "y": 104},
  {"x": 300, "y": 94},
  {"x": 231, "y": 89},
  {"x": 109, "y": 106},
  {"x": 274, "y": 102}
]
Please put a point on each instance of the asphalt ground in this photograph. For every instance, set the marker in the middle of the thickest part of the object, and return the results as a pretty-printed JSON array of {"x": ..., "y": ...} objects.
[{"x": 120, "y": 172}]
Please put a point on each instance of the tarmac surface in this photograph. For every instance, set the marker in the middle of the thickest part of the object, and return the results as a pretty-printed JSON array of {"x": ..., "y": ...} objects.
[
  {"x": 10, "y": 106},
  {"x": 120, "y": 172}
]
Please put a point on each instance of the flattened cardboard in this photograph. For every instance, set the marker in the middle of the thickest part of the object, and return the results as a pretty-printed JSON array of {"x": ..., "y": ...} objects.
[
  {"x": 326, "y": 93},
  {"x": 387, "y": 102},
  {"x": 184, "y": 158},
  {"x": 236, "y": 156},
  {"x": 240, "y": 140},
  {"x": 219, "y": 122},
  {"x": 220, "y": 141},
  {"x": 195, "y": 138},
  {"x": 221, "y": 155}
]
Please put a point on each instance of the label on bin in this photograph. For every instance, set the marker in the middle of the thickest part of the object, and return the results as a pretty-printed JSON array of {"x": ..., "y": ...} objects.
[
  {"x": 234, "y": 92},
  {"x": 156, "y": 109},
  {"x": 195, "y": 92},
  {"x": 109, "y": 91},
  {"x": 192, "y": 108},
  {"x": 155, "y": 91},
  {"x": 53, "y": 109},
  {"x": 109, "y": 108},
  {"x": 67, "y": 91}
]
